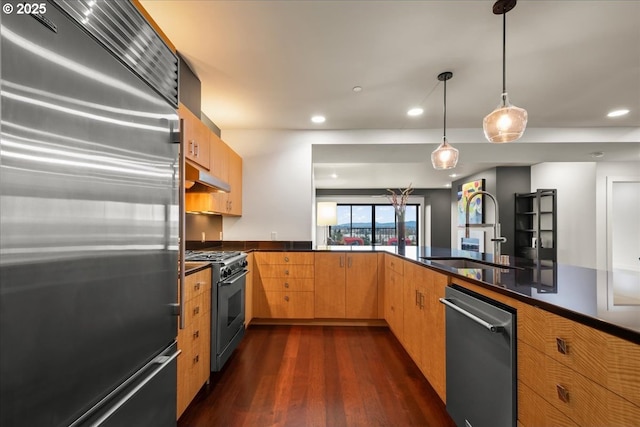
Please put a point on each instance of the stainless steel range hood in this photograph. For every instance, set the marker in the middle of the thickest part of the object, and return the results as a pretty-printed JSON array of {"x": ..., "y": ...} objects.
[{"x": 199, "y": 181}]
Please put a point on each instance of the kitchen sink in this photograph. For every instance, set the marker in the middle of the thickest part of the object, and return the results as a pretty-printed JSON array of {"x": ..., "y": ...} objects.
[{"x": 455, "y": 262}]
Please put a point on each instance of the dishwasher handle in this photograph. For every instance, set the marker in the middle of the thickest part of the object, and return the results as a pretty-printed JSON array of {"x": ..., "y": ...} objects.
[{"x": 489, "y": 326}]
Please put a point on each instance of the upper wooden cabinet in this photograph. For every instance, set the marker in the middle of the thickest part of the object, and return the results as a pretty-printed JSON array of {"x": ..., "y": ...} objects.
[
  {"x": 219, "y": 158},
  {"x": 196, "y": 137},
  {"x": 231, "y": 203}
]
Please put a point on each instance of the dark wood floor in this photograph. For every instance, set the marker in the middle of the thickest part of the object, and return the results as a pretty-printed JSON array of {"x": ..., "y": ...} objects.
[{"x": 317, "y": 376}]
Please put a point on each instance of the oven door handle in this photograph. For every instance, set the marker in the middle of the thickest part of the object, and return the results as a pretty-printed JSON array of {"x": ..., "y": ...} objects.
[{"x": 234, "y": 280}]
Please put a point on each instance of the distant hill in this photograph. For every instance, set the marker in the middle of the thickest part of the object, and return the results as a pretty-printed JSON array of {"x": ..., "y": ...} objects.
[{"x": 409, "y": 224}]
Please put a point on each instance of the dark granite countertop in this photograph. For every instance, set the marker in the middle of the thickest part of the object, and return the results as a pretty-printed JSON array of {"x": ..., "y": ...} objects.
[{"x": 605, "y": 300}]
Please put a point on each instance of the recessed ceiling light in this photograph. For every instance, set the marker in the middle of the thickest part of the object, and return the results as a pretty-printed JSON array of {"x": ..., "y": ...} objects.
[
  {"x": 357, "y": 89},
  {"x": 453, "y": 175},
  {"x": 618, "y": 113},
  {"x": 415, "y": 111},
  {"x": 318, "y": 119},
  {"x": 334, "y": 175}
]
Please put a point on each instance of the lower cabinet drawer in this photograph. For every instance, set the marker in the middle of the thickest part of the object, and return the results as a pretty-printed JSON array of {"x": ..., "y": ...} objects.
[
  {"x": 288, "y": 284},
  {"x": 582, "y": 400},
  {"x": 289, "y": 305},
  {"x": 534, "y": 411}
]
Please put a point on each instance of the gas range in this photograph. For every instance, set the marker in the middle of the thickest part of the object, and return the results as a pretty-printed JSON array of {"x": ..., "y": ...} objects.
[{"x": 225, "y": 263}]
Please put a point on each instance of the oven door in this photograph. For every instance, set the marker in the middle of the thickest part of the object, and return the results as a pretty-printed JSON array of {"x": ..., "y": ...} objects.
[{"x": 230, "y": 325}]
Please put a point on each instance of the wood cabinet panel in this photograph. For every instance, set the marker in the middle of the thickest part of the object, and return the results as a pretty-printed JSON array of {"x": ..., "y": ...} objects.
[
  {"x": 288, "y": 305},
  {"x": 534, "y": 411},
  {"x": 330, "y": 285},
  {"x": 290, "y": 284},
  {"x": 361, "y": 286},
  {"x": 294, "y": 271},
  {"x": 394, "y": 296},
  {"x": 584, "y": 401},
  {"x": 424, "y": 323},
  {"x": 248, "y": 304},
  {"x": 219, "y": 158},
  {"x": 346, "y": 285},
  {"x": 196, "y": 137},
  {"x": 285, "y": 258}
]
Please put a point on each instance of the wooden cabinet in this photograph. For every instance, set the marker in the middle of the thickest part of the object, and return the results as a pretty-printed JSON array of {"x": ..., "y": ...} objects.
[
  {"x": 393, "y": 294},
  {"x": 195, "y": 137},
  {"x": 346, "y": 285},
  {"x": 424, "y": 322},
  {"x": 226, "y": 165},
  {"x": 231, "y": 203},
  {"x": 194, "y": 340},
  {"x": 219, "y": 158},
  {"x": 284, "y": 285}
]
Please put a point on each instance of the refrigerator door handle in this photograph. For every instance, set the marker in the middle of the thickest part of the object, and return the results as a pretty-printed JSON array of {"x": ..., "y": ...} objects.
[
  {"x": 163, "y": 360},
  {"x": 182, "y": 223}
]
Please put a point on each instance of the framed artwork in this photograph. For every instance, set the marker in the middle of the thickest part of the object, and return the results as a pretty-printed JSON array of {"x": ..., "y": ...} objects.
[{"x": 476, "y": 213}]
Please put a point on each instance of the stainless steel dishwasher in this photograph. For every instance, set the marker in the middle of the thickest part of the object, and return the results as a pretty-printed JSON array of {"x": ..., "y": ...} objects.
[{"x": 481, "y": 359}]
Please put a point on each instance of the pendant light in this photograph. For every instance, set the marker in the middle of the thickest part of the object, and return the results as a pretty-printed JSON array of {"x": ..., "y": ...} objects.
[
  {"x": 507, "y": 122},
  {"x": 445, "y": 156}
]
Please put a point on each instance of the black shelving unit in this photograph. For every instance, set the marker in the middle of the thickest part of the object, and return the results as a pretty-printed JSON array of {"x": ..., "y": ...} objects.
[{"x": 536, "y": 235}]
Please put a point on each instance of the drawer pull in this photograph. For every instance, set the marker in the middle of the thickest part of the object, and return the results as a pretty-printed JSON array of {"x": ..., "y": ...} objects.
[
  {"x": 196, "y": 310},
  {"x": 286, "y": 285},
  {"x": 563, "y": 393},
  {"x": 286, "y": 259},
  {"x": 286, "y": 272},
  {"x": 196, "y": 334},
  {"x": 196, "y": 287},
  {"x": 286, "y": 298},
  {"x": 196, "y": 359},
  {"x": 421, "y": 300},
  {"x": 561, "y": 346}
]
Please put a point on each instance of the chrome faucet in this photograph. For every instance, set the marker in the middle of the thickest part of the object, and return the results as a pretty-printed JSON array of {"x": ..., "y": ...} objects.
[{"x": 497, "y": 238}]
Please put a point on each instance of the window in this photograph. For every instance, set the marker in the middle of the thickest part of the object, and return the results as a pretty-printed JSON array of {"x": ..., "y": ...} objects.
[{"x": 368, "y": 224}]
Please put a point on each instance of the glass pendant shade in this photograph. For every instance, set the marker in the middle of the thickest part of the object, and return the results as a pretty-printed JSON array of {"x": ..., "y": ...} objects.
[
  {"x": 445, "y": 156},
  {"x": 506, "y": 123}
]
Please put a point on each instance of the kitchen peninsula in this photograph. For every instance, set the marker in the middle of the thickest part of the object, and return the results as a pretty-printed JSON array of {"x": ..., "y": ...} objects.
[{"x": 578, "y": 354}]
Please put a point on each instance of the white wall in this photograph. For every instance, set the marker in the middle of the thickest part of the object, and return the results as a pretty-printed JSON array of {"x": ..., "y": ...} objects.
[
  {"x": 576, "y": 203},
  {"x": 277, "y": 191}
]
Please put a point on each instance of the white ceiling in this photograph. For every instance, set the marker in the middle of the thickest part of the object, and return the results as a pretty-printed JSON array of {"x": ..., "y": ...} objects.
[{"x": 273, "y": 64}]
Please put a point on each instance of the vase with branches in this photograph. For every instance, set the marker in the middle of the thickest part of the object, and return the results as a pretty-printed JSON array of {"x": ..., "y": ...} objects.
[{"x": 399, "y": 202}]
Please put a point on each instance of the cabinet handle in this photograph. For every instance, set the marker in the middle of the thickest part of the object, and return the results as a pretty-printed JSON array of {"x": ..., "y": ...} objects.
[
  {"x": 196, "y": 310},
  {"x": 563, "y": 393},
  {"x": 196, "y": 287},
  {"x": 191, "y": 143},
  {"x": 196, "y": 334},
  {"x": 196, "y": 359},
  {"x": 286, "y": 297},
  {"x": 196, "y": 150},
  {"x": 286, "y": 272},
  {"x": 561, "y": 345},
  {"x": 286, "y": 259},
  {"x": 286, "y": 285},
  {"x": 421, "y": 300}
]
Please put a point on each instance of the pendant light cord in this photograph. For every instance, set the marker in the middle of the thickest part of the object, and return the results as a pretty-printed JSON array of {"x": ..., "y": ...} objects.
[
  {"x": 445, "y": 110},
  {"x": 504, "y": 52}
]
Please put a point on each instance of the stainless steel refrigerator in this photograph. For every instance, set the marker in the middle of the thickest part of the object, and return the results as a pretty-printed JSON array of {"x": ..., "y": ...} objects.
[{"x": 89, "y": 178}]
